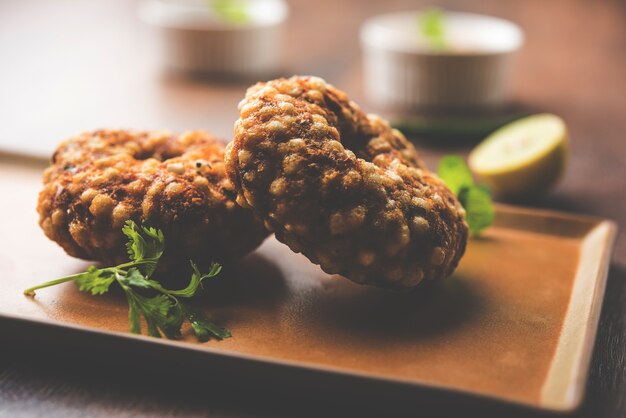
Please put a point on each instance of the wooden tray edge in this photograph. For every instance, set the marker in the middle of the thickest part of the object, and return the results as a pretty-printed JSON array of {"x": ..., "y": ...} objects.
[{"x": 564, "y": 386}]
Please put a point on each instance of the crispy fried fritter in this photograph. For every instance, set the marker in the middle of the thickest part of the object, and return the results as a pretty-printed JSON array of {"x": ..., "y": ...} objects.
[
  {"x": 342, "y": 187},
  {"x": 100, "y": 179}
]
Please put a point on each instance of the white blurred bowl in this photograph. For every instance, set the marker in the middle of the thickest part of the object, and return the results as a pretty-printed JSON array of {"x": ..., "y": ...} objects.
[
  {"x": 403, "y": 72},
  {"x": 195, "y": 39}
]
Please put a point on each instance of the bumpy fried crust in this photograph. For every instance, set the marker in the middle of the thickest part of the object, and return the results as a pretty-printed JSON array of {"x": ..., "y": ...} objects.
[
  {"x": 342, "y": 187},
  {"x": 100, "y": 179}
]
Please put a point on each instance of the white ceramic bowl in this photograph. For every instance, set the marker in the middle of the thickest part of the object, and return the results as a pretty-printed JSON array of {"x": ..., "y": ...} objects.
[
  {"x": 193, "y": 38},
  {"x": 402, "y": 72}
]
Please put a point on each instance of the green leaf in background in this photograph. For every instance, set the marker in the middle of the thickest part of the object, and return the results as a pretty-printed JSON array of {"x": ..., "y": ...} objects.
[
  {"x": 455, "y": 173},
  {"x": 475, "y": 199},
  {"x": 230, "y": 11},
  {"x": 432, "y": 28},
  {"x": 480, "y": 211}
]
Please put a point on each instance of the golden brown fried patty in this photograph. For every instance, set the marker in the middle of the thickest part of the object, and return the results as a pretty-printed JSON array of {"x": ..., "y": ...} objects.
[
  {"x": 100, "y": 179},
  {"x": 342, "y": 187}
]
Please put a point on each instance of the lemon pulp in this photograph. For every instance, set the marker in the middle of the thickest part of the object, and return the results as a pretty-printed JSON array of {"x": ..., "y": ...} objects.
[{"x": 523, "y": 158}]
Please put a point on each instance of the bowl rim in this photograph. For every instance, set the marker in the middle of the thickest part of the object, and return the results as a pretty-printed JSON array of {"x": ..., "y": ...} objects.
[
  {"x": 374, "y": 36},
  {"x": 155, "y": 13}
]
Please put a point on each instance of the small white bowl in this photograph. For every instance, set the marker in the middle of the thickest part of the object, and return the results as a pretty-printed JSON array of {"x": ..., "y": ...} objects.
[
  {"x": 403, "y": 72},
  {"x": 193, "y": 38}
]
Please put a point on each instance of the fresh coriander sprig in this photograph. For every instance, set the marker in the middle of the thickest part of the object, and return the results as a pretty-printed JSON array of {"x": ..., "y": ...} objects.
[
  {"x": 161, "y": 308},
  {"x": 475, "y": 198}
]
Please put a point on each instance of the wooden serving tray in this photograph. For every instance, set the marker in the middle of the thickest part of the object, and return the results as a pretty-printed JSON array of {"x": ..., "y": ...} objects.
[{"x": 515, "y": 323}]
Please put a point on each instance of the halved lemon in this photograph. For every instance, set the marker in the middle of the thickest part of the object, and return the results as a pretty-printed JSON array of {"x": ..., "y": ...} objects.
[{"x": 524, "y": 158}]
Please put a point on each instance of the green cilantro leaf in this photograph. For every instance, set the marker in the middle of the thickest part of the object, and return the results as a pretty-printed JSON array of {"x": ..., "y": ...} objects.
[
  {"x": 480, "y": 211},
  {"x": 95, "y": 281},
  {"x": 202, "y": 327},
  {"x": 160, "y": 313},
  {"x": 196, "y": 280},
  {"x": 455, "y": 173},
  {"x": 134, "y": 278},
  {"x": 135, "y": 245},
  {"x": 145, "y": 246},
  {"x": 475, "y": 199},
  {"x": 134, "y": 318},
  {"x": 163, "y": 313}
]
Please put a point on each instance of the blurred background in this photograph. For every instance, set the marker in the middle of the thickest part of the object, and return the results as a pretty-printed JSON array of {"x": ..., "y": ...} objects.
[{"x": 70, "y": 65}]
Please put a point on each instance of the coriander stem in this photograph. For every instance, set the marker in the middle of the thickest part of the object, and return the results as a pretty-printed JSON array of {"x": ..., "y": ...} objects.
[
  {"x": 134, "y": 263},
  {"x": 31, "y": 291}
]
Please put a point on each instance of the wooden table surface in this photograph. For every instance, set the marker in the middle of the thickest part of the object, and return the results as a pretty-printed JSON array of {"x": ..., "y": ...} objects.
[{"x": 66, "y": 66}]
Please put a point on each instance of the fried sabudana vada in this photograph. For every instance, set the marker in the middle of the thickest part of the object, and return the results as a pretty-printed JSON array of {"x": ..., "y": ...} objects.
[
  {"x": 100, "y": 179},
  {"x": 342, "y": 187}
]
